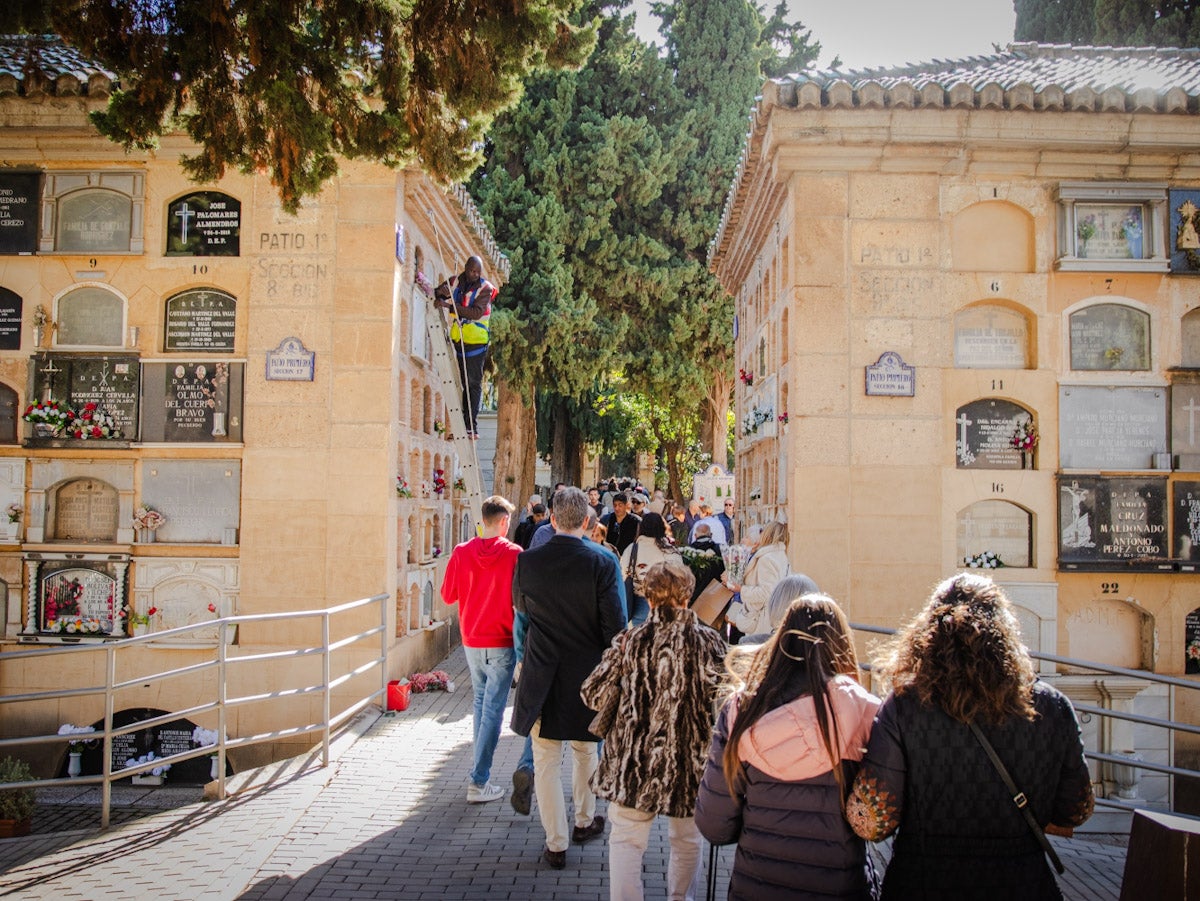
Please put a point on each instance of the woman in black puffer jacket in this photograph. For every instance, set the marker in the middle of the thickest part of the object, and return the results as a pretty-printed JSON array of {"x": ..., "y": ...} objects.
[{"x": 788, "y": 742}]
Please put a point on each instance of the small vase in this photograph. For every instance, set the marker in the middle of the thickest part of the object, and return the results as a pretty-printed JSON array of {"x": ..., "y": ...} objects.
[
  {"x": 39, "y": 332},
  {"x": 213, "y": 771},
  {"x": 12, "y": 530},
  {"x": 1135, "y": 246},
  {"x": 74, "y": 767},
  {"x": 146, "y": 536},
  {"x": 218, "y": 429},
  {"x": 44, "y": 430}
]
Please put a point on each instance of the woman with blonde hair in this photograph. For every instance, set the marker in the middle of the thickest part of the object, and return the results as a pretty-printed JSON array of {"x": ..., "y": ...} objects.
[
  {"x": 784, "y": 752},
  {"x": 767, "y": 566},
  {"x": 964, "y": 688}
]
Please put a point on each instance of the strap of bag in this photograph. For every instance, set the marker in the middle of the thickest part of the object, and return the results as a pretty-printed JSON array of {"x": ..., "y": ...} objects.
[
  {"x": 1018, "y": 798},
  {"x": 633, "y": 551}
]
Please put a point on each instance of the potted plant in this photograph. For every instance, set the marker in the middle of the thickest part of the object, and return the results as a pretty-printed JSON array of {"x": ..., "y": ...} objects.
[
  {"x": 49, "y": 417},
  {"x": 147, "y": 520},
  {"x": 16, "y": 804}
]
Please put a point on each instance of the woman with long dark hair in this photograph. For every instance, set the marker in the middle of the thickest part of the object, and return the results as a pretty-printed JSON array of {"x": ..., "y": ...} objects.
[
  {"x": 927, "y": 777},
  {"x": 651, "y": 546},
  {"x": 783, "y": 754}
]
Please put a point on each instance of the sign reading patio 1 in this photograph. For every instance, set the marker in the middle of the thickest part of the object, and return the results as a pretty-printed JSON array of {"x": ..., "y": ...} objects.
[
  {"x": 291, "y": 361},
  {"x": 891, "y": 377}
]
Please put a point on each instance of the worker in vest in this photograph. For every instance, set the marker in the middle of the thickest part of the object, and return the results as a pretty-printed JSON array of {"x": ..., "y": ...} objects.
[{"x": 470, "y": 297}]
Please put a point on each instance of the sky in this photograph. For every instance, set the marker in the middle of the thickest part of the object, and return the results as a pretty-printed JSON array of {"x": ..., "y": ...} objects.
[{"x": 872, "y": 33}]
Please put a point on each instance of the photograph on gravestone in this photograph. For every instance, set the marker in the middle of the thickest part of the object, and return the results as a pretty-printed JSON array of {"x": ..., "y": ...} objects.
[
  {"x": 20, "y": 193},
  {"x": 983, "y": 435},
  {"x": 1113, "y": 523},
  {"x": 1110, "y": 336},
  {"x": 109, "y": 381},
  {"x": 204, "y": 223},
  {"x": 1185, "y": 533},
  {"x": 1110, "y": 231},
  {"x": 1191, "y": 643},
  {"x": 199, "y": 498},
  {"x": 94, "y": 220},
  {"x": 10, "y": 319},
  {"x": 76, "y": 600},
  {"x": 1111, "y": 427},
  {"x": 194, "y": 401},
  {"x": 200, "y": 321},
  {"x": 89, "y": 317},
  {"x": 991, "y": 337}
]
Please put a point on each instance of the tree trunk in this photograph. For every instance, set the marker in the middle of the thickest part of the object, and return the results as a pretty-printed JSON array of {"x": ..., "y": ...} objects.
[
  {"x": 566, "y": 454},
  {"x": 714, "y": 430},
  {"x": 516, "y": 446},
  {"x": 670, "y": 451}
]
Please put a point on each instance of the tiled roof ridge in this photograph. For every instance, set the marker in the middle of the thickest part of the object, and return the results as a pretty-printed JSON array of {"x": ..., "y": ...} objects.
[{"x": 59, "y": 70}]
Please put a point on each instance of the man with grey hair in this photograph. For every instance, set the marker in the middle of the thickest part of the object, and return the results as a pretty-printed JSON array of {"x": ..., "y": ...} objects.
[{"x": 567, "y": 590}]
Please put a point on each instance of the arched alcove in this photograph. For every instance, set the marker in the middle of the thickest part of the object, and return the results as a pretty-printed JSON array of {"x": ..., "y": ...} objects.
[
  {"x": 426, "y": 410},
  {"x": 1109, "y": 336},
  {"x": 993, "y": 335},
  {"x": 1189, "y": 329},
  {"x": 1112, "y": 631},
  {"x": 986, "y": 431},
  {"x": 414, "y": 608},
  {"x": 82, "y": 510},
  {"x": 90, "y": 316},
  {"x": 992, "y": 236},
  {"x": 8, "y": 414},
  {"x": 410, "y": 540},
  {"x": 994, "y": 528}
]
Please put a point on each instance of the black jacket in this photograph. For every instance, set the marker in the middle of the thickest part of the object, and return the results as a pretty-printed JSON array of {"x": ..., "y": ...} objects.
[{"x": 623, "y": 534}]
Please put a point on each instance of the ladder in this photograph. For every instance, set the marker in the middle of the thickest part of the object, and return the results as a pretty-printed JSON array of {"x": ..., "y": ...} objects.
[{"x": 445, "y": 360}]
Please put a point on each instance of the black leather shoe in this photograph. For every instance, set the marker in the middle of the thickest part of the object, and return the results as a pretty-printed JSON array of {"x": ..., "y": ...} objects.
[
  {"x": 581, "y": 834},
  {"x": 522, "y": 793},
  {"x": 556, "y": 859}
]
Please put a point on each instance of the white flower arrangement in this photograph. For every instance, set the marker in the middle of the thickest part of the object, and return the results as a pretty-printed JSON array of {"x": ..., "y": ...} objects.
[
  {"x": 204, "y": 737},
  {"x": 14, "y": 512},
  {"x": 146, "y": 758},
  {"x": 984, "y": 560},
  {"x": 76, "y": 745},
  {"x": 147, "y": 518}
]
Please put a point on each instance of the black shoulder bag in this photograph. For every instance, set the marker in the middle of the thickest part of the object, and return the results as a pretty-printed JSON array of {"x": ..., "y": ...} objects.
[{"x": 1018, "y": 798}]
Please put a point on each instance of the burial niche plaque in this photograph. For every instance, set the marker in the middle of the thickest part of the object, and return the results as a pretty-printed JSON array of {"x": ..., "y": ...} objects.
[
  {"x": 76, "y": 601},
  {"x": 1185, "y": 534},
  {"x": 94, "y": 221},
  {"x": 201, "y": 321},
  {"x": 19, "y": 193},
  {"x": 10, "y": 319},
  {"x": 1109, "y": 336},
  {"x": 991, "y": 337},
  {"x": 1111, "y": 427},
  {"x": 983, "y": 435},
  {"x": 109, "y": 381},
  {"x": 197, "y": 401},
  {"x": 995, "y": 528},
  {"x": 1107, "y": 524},
  {"x": 204, "y": 223}
]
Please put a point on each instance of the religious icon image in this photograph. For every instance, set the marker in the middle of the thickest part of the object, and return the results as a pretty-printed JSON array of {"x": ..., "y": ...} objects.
[{"x": 1077, "y": 527}]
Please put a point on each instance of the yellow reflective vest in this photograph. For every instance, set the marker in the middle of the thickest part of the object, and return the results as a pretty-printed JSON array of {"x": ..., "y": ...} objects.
[{"x": 466, "y": 331}]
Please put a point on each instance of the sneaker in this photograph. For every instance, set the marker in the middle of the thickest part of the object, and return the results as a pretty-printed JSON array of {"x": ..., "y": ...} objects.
[
  {"x": 581, "y": 834},
  {"x": 522, "y": 793},
  {"x": 556, "y": 859},
  {"x": 481, "y": 794}
]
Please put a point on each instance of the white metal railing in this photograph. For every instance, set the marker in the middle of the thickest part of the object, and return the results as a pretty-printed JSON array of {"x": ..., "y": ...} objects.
[
  {"x": 1091, "y": 666},
  {"x": 220, "y": 702}
]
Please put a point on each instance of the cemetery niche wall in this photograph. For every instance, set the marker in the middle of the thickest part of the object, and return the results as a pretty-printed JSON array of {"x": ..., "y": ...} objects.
[
  {"x": 1113, "y": 524},
  {"x": 75, "y": 597},
  {"x": 990, "y": 433}
]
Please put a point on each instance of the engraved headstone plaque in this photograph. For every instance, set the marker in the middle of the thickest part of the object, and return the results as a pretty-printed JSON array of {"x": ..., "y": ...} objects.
[
  {"x": 199, "y": 498},
  {"x": 19, "y": 192},
  {"x": 1185, "y": 422},
  {"x": 86, "y": 510},
  {"x": 1185, "y": 535},
  {"x": 10, "y": 319},
  {"x": 1107, "y": 523},
  {"x": 991, "y": 337},
  {"x": 91, "y": 317},
  {"x": 192, "y": 401},
  {"x": 983, "y": 435},
  {"x": 204, "y": 223},
  {"x": 1110, "y": 336},
  {"x": 94, "y": 221},
  {"x": 1111, "y": 427},
  {"x": 997, "y": 527},
  {"x": 201, "y": 321},
  {"x": 163, "y": 740}
]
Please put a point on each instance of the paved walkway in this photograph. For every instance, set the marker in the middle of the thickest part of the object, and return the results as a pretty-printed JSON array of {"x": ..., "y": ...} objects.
[{"x": 387, "y": 819}]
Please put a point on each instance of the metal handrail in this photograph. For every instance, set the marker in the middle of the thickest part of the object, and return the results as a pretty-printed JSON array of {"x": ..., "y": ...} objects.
[
  {"x": 221, "y": 702},
  {"x": 1086, "y": 667}
]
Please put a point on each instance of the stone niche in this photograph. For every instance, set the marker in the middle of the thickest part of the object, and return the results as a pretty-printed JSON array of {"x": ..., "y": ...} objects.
[
  {"x": 80, "y": 501},
  {"x": 1002, "y": 528},
  {"x": 990, "y": 336},
  {"x": 75, "y": 597},
  {"x": 186, "y": 592}
]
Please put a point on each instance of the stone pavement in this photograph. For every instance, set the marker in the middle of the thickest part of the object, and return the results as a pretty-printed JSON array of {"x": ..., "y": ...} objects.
[{"x": 386, "y": 819}]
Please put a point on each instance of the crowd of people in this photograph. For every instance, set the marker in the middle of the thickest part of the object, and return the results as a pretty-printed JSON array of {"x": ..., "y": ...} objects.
[{"x": 753, "y": 728}]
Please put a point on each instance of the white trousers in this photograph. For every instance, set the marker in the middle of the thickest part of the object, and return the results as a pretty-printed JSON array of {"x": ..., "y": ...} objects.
[
  {"x": 628, "y": 836},
  {"x": 547, "y": 786}
]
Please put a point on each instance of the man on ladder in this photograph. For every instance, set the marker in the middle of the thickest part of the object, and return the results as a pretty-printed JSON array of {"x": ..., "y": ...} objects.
[{"x": 469, "y": 296}]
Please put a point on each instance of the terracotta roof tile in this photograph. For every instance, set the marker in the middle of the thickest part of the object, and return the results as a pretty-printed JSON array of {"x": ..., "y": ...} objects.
[{"x": 43, "y": 64}]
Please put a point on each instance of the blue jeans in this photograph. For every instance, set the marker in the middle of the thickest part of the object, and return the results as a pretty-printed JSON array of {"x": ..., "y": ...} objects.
[{"x": 491, "y": 675}]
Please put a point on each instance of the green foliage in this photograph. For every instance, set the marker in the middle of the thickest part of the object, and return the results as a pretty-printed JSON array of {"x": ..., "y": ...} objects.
[
  {"x": 16, "y": 803},
  {"x": 287, "y": 87},
  {"x": 1121, "y": 23}
]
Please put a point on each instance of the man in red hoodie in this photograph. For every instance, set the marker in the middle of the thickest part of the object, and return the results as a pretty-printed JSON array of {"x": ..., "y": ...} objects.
[{"x": 479, "y": 579}]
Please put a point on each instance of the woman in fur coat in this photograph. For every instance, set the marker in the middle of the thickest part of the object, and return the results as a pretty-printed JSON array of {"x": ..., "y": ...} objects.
[{"x": 665, "y": 674}]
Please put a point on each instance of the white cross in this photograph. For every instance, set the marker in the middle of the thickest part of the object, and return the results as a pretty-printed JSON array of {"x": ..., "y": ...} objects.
[
  {"x": 185, "y": 214},
  {"x": 963, "y": 422},
  {"x": 48, "y": 370},
  {"x": 1192, "y": 410}
]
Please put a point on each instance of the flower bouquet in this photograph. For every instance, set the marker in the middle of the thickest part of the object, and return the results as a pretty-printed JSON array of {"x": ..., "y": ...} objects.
[
  {"x": 14, "y": 512},
  {"x": 439, "y": 482},
  {"x": 75, "y": 745},
  {"x": 698, "y": 561},
  {"x": 49, "y": 413},
  {"x": 434, "y": 680},
  {"x": 147, "y": 518},
  {"x": 460, "y": 484},
  {"x": 984, "y": 560},
  {"x": 402, "y": 488},
  {"x": 1193, "y": 650},
  {"x": 737, "y": 558},
  {"x": 92, "y": 422},
  {"x": 1025, "y": 437},
  {"x": 154, "y": 776},
  {"x": 202, "y": 737}
]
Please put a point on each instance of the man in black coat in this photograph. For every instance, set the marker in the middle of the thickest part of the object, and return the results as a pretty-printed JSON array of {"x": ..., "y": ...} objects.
[
  {"x": 621, "y": 524},
  {"x": 567, "y": 589}
]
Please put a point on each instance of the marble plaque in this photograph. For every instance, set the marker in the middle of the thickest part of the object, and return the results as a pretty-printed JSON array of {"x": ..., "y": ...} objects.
[
  {"x": 110, "y": 382},
  {"x": 200, "y": 321},
  {"x": 1110, "y": 336},
  {"x": 86, "y": 510},
  {"x": 1002, "y": 528},
  {"x": 204, "y": 223},
  {"x": 1113, "y": 522},
  {"x": 199, "y": 498},
  {"x": 983, "y": 433},
  {"x": 10, "y": 319},
  {"x": 1185, "y": 418},
  {"x": 196, "y": 401},
  {"x": 1111, "y": 427},
  {"x": 168, "y": 738},
  {"x": 19, "y": 195},
  {"x": 991, "y": 337},
  {"x": 94, "y": 221},
  {"x": 1185, "y": 534},
  {"x": 91, "y": 317}
]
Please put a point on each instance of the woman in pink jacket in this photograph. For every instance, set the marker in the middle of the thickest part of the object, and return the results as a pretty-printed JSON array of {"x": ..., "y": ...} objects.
[{"x": 783, "y": 756}]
